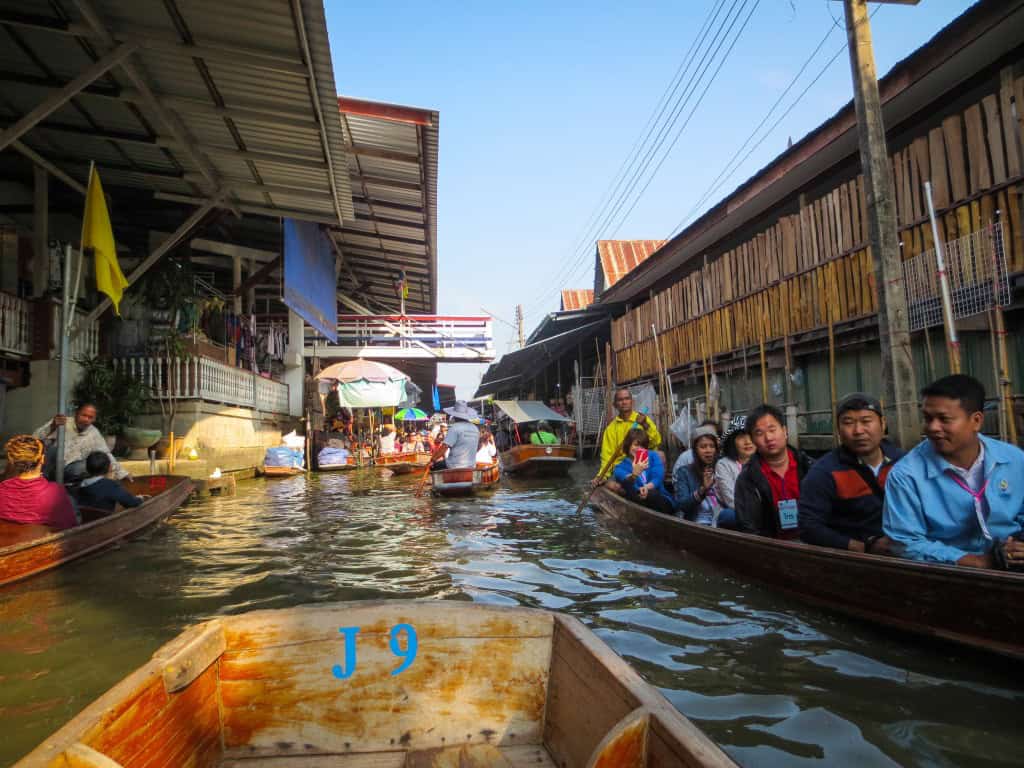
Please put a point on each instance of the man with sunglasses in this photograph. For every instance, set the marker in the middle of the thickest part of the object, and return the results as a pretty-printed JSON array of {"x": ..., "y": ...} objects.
[{"x": 616, "y": 431}]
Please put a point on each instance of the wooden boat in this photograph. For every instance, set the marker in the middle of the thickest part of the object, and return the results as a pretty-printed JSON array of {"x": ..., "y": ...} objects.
[
  {"x": 969, "y": 606},
  {"x": 403, "y": 463},
  {"x": 539, "y": 460},
  {"x": 465, "y": 482},
  {"x": 350, "y": 464},
  {"x": 429, "y": 684},
  {"x": 282, "y": 471},
  {"x": 26, "y": 550}
]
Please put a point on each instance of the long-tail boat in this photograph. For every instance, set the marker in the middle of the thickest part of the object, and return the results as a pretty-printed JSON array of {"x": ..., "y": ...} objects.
[
  {"x": 526, "y": 458},
  {"x": 26, "y": 550},
  {"x": 403, "y": 463},
  {"x": 350, "y": 463},
  {"x": 388, "y": 684},
  {"x": 970, "y": 606},
  {"x": 465, "y": 482},
  {"x": 282, "y": 471}
]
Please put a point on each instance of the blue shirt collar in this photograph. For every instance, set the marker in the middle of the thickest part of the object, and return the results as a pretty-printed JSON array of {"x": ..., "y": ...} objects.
[{"x": 935, "y": 465}]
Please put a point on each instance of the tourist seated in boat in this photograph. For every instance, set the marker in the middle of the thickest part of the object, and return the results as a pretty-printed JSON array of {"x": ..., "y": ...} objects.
[
  {"x": 80, "y": 439},
  {"x": 768, "y": 488},
  {"x": 686, "y": 457},
  {"x": 460, "y": 441},
  {"x": 696, "y": 497},
  {"x": 543, "y": 435},
  {"x": 842, "y": 496},
  {"x": 615, "y": 435},
  {"x": 487, "y": 451},
  {"x": 642, "y": 481},
  {"x": 957, "y": 497},
  {"x": 737, "y": 448},
  {"x": 386, "y": 442},
  {"x": 28, "y": 497},
  {"x": 99, "y": 490}
]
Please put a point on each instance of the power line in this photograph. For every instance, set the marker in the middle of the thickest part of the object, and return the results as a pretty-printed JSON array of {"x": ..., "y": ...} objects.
[
  {"x": 656, "y": 114},
  {"x": 706, "y": 61}
]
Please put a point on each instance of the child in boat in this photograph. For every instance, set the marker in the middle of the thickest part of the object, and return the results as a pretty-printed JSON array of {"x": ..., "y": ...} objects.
[
  {"x": 643, "y": 481},
  {"x": 28, "y": 497},
  {"x": 99, "y": 491}
]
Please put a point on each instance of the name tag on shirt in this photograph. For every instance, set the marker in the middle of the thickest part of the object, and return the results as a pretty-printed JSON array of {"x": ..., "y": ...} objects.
[{"x": 788, "y": 518}]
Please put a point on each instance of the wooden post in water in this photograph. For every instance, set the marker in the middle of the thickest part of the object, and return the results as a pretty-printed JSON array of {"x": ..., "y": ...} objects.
[{"x": 899, "y": 382}]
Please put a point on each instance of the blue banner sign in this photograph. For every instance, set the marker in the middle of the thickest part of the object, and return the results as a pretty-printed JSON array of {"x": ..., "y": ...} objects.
[{"x": 311, "y": 276}]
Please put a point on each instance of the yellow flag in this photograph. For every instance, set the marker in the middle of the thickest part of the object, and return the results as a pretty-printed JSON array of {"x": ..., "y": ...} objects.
[{"x": 97, "y": 234}]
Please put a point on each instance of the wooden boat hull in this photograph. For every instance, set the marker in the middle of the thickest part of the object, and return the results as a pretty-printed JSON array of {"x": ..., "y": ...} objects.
[
  {"x": 539, "y": 460},
  {"x": 404, "y": 463},
  {"x": 27, "y": 550},
  {"x": 465, "y": 482},
  {"x": 969, "y": 606},
  {"x": 487, "y": 686},
  {"x": 346, "y": 467},
  {"x": 282, "y": 471}
]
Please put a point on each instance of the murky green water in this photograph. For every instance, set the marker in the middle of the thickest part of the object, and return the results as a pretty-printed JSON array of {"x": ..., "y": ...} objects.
[{"x": 772, "y": 681}]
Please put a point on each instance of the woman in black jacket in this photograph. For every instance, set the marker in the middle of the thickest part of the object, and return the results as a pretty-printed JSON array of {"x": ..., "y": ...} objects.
[{"x": 768, "y": 488}]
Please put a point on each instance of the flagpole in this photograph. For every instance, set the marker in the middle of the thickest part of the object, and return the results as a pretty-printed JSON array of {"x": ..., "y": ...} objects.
[{"x": 62, "y": 371}]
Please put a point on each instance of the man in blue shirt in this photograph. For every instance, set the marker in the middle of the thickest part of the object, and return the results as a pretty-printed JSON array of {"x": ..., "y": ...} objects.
[{"x": 958, "y": 497}]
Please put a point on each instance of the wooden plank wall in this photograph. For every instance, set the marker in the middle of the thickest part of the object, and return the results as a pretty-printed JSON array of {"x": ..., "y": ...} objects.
[{"x": 783, "y": 280}]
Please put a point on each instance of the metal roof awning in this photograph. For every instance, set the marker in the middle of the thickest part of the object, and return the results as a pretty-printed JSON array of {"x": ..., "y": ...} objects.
[
  {"x": 392, "y": 153},
  {"x": 521, "y": 411},
  {"x": 513, "y": 366},
  {"x": 218, "y": 105}
]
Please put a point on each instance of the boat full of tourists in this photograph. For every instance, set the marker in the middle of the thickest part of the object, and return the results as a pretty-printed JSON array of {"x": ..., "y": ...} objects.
[
  {"x": 536, "y": 438},
  {"x": 396, "y": 684},
  {"x": 27, "y": 550},
  {"x": 969, "y": 606}
]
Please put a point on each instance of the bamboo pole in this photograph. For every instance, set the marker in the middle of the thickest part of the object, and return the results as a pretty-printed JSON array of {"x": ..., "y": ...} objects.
[
  {"x": 929, "y": 354},
  {"x": 764, "y": 368},
  {"x": 952, "y": 342},
  {"x": 996, "y": 374},
  {"x": 170, "y": 453},
  {"x": 832, "y": 301},
  {"x": 1004, "y": 383}
]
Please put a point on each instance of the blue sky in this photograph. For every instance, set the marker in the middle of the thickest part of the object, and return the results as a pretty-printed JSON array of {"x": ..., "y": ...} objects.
[{"x": 541, "y": 103}]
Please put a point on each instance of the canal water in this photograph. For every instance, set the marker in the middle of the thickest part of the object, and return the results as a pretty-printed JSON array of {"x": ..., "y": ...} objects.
[{"x": 774, "y": 682}]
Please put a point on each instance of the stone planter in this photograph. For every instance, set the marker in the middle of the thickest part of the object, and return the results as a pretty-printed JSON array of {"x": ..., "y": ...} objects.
[{"x": 140, "y": 441}]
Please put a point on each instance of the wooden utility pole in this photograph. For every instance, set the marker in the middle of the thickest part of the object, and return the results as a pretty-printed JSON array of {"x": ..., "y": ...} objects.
[
  {"x": 519, "y": 325},
  {"x": 898, "y": 379}
]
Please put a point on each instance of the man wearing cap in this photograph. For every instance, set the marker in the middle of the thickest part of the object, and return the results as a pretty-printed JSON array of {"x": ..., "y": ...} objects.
[
  {"x": 841, "y": 497},
  {"x": 461, "y": 441}
]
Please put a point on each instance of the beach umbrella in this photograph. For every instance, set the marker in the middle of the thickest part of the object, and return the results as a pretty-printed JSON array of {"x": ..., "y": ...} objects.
[
  {"x": 366, "y": 383},
  {"x": 411, "y": 414}
]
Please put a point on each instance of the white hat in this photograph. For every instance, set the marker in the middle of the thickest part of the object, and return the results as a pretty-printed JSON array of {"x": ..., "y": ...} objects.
[{"x": 462, "y": 411}]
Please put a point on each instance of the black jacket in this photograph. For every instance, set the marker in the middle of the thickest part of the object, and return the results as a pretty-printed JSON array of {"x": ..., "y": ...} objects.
[
  {"x": 755, "y": 508},
  {"x": 841, "y": 499},
  {"x": 105, "y": 494}
]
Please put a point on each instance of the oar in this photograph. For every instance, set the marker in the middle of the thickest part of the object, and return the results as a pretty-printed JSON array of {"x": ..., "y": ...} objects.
[
  {"x": 590, "y": 493},
  {"x": 423, "y": 480}
]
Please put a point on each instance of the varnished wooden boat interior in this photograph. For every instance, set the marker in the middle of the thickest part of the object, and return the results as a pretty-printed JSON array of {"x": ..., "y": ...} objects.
[
  {"x": 403, "y": 463},
  {"x": 489, "y": 687},
  {"x": 539, "y": 460},
  {"x": 26, "y": 550},
  {"x": 968, "y": 606}
]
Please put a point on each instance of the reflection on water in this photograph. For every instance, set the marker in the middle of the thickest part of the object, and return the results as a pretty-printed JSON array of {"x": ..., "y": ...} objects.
[{"x": 772, "y": 681}]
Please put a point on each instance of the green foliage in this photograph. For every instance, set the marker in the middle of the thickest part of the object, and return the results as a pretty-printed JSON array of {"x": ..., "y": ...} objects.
[
  {"x": 168, "y": 286},
  {"x": 118, "y": 397}
]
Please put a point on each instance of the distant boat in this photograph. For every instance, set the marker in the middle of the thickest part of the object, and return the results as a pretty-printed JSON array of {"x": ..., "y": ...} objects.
[
  {"x": 282, "y": 471},
  {"x": 531, "y": 459},
  {"x": 26, "y": 550},
  {"x": 388, "y": 684},
  {"x": 465, "y": 482},
  {"x": 350, "y": 464},
  {"x": 969, "y": 606},
  {"x": 403, "y": 463}
]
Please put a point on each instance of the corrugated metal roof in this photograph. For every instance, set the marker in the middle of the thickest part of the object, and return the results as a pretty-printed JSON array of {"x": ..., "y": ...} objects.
[
  {"x": 618, "y": 257},
  {"x": 577, "y": 298},
  {"x": 392, "y": 152},
  {"x": 246, "y": 88}
]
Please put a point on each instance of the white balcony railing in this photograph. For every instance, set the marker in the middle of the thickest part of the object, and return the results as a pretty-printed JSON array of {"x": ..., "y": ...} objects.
[
  {"x": 443, "y": 337},
  {"x": 199, "y": 378},
  {"x": 15, "y": 331}
]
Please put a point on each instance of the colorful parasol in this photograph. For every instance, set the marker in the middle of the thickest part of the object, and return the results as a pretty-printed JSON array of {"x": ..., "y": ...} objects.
[
  {"x": 366, "y": 383},
  {"x": 411, "y": 414}
]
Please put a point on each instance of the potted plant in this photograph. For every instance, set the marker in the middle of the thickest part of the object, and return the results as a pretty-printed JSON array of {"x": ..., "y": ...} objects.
[{"x": 118, "y": 397}]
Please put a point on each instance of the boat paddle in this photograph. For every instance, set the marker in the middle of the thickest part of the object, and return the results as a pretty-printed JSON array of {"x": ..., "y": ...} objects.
[
  {"x": 604, "y": 479},
  {"x": 423, "y": 481}
]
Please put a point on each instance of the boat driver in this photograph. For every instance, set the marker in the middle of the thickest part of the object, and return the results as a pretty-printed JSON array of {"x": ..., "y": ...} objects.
[
  {"x": 81, "y": 437},
  {"x": 958, "y": 497},
  {"x": 841, "y": 498},
  {"x": 461, "y": 441},
  {"x": 615, "y": 435}
]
